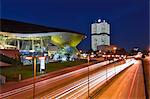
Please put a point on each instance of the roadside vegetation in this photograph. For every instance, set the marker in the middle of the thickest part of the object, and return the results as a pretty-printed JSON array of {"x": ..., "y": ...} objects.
[{"x": 12, "y": 72}]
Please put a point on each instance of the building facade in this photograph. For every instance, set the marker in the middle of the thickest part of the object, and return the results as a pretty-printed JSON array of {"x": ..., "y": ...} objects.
[
  {"x": 36, "y": 40},
  {"x": 100, "y": 34}
]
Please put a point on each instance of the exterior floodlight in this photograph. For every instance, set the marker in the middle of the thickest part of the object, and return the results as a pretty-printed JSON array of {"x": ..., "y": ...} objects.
[
  {"x": 41, "y": 58},
  {"x": 31, "y": 50},
  {"x": 28, "y": 58}
]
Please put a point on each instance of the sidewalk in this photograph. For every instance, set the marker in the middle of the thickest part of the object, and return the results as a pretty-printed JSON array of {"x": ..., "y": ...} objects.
[{"x": 146, "y": 68}]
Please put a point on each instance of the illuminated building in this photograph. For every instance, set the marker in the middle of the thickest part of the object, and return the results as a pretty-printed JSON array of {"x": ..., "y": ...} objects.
[
  {"x": 100, "y": 34},
  {"x": 31, "y": 39}
]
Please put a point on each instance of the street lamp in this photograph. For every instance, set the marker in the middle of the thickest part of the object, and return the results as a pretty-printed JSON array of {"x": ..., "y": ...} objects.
[
  {"x": 80, "y": 51},
  {"x": 114, "y": 49},
  {"x": 34, "y": 64},
  {"x": 88, "y": 60},
  {"x": 100, "y": 51},
  {"x": 104, "y": 56}
]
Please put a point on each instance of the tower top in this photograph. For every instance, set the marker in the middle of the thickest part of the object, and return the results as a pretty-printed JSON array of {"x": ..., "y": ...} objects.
[{"x": 99, "y": 20}]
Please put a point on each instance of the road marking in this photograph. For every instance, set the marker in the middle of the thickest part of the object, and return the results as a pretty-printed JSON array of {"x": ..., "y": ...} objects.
[{"x": 131, "y": 88}]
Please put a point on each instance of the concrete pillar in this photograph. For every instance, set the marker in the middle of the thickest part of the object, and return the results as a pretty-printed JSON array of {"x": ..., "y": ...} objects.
[
  {"x": 18, "y": 44},
  {"x": 32, "y": 44},
  {"x": 41, "y": 45}
]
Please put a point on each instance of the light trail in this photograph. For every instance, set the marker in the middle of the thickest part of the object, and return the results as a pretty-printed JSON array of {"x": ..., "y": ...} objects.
[
  {"x": 41, "y": 84},
  {"x": 80, "y": 87},
  {"x": 75, "y": 88}
]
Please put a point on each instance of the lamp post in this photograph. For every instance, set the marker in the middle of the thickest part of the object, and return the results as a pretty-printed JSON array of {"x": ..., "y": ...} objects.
[
  {"x": 34, "y": 78},
  {"x": 34, "y": 67},
  {"x": 34, "y": 72},
  {"x": 88, "y": 59},
  {"x": 114, "y": 49}
]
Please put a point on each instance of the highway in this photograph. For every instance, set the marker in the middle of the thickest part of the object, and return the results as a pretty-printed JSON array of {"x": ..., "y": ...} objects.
[
  {"x": 69, "y": 85},
  {"x": 79, "y": 89},
  {"x": 128, "y": 85}
]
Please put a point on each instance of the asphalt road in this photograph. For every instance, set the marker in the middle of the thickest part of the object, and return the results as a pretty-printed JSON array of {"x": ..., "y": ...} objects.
[
  {"x": 128, "y": 85},
  {"x": 44, "y": 85},
  {"x": 69, "y": 85},
  {"x": 79, "y": 89}
]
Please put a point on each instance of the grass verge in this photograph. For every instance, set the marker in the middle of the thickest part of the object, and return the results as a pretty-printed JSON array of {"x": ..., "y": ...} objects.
[{"x": 12, "y": 72}]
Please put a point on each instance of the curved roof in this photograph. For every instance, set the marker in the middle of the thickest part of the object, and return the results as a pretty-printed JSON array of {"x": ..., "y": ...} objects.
[{"x": 28, "y": 28}]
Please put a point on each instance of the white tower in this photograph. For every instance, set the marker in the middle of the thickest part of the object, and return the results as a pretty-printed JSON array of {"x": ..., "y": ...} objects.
[{"x": 100, "y": 34}]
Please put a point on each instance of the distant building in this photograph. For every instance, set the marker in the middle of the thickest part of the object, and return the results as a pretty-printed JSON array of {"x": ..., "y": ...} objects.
[
  {"x": 106, "y": 48},
  {"x": 134, "y": 50},
  {"x": 100, "y": 34},
  {"x": 112, "y": 49}
]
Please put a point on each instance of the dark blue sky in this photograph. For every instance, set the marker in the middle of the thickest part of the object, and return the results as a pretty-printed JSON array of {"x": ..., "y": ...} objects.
[{"x": 128, "y": 18}]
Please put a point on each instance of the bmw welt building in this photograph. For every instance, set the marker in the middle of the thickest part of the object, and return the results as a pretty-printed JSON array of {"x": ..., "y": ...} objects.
[{"x": 31, "y": 39}]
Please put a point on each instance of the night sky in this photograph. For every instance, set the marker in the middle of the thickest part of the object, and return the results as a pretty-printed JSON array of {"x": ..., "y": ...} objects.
[{"x": 128, "y": 18}]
